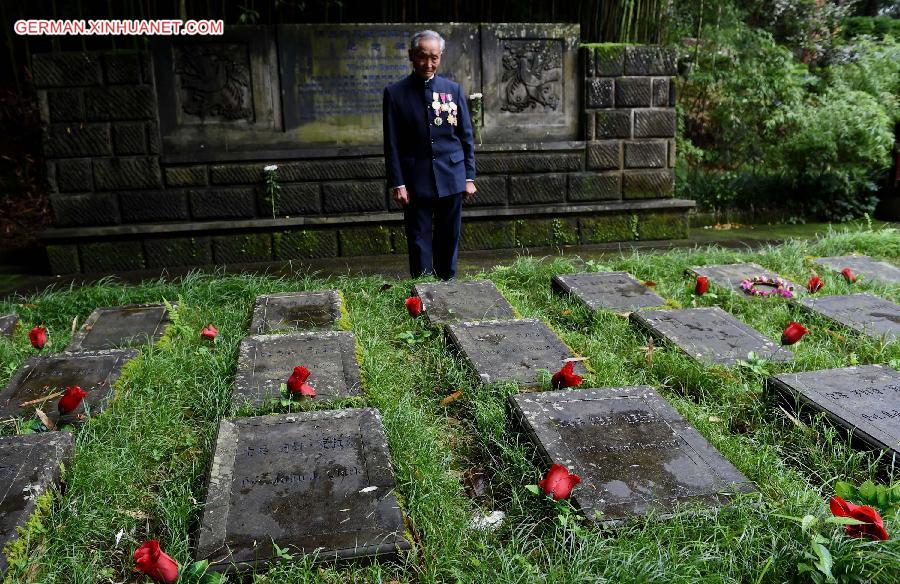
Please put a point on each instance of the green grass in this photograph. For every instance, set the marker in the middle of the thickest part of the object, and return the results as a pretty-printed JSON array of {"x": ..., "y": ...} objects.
[{"x": 139, "y": 467}]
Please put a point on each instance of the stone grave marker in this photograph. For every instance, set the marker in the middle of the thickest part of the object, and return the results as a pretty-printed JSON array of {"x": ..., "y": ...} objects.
[
  {"x": 731, "y": 276},
  {"x": 8, "y": 324},
  {"x": 709, "y": 335},
  {"x": 510, "y": 350},
  {"x": 44, "y": 375},
  {"x": 295, "y": 311},
  {"x": 864, "y": 313},
  {"x": 863, "y": 266},
  {"x": 863, "y": 399},
  {"x": 633, "y": 451},
  {"x": 462, "y": 301},
  {"x": 311, "y": 481},
  {"x": 266, "y": 361},
  {"x": 614, "y": 291},
  {"x": 29, "y": 465},
  {"x": 121, "y": 326}
]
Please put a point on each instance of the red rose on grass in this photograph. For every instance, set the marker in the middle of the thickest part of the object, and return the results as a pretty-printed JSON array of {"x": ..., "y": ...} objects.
[
  {"x": 154, "y": 562},
  {"x": 849, "y": 275},
  {"x": 71, "y": 399},
  {"x": 565, "y": 377},
  {"x": 38, "y": 337},
  {"x": 414, "y": 306},
  {"x": 209, "y": 332},
  {"x": 815, "y": 284},
  {"x": 559, "y": 482},
  {"x": 297, "y": 382},
  {"x": 701, "y": 286},
  {"x": 793, "y": 333},
  {"x": 873, "y": 526}
]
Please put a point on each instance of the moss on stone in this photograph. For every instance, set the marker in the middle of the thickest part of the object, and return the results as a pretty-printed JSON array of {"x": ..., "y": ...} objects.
[
  {"x": 605, "y": 228},
  {"x": 356, "y": 241},
  {"x": 663, "y": 226}
]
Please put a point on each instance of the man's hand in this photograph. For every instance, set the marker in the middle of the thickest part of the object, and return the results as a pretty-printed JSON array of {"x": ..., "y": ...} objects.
[
  {"x": 400, "y": 195},
  {"x": 470, "y": 190}
]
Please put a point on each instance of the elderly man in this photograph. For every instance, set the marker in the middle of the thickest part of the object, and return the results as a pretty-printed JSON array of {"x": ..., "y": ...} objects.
[{"x": 429, "y": 154}]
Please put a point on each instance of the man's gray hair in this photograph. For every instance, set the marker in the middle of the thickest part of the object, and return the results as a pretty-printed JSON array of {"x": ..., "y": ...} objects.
[{"x": 425, "y": 34}]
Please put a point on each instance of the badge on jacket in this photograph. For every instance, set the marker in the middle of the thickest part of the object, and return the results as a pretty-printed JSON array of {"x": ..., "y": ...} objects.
[{"x": 443, "y": 102}]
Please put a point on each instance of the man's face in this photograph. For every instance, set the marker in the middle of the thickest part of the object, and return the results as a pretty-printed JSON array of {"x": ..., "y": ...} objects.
[{"x": 426, "y": 58}]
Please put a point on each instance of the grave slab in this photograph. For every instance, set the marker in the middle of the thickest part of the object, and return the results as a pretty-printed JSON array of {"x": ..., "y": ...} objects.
[
  {"x": 266, "y": 361},
  {"x": 863, "y": 399},
  {"x": 633, "y": 451},
  {"x": 709, "y": 335},
  {"x": 614, "y": 291},
  {"x": 510, "y": 350},
  {"x": 864, "y": 313},
  {"x": 295, "y": 311},
  {"x": 44, "y": 375},
  {"x": 29, "y": 465},
  {"x": 8, "y": 324},
  {"x": 121, "y": 326},
  {"x": 865, "y": 266},
  {"x": 310, "y": 481},
  {"x": 462, "y": 301},
  {"x": 731, "y": 275}
]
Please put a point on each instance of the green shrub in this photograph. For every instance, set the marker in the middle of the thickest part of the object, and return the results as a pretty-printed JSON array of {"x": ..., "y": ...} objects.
[{"x": 876, "y": 26}]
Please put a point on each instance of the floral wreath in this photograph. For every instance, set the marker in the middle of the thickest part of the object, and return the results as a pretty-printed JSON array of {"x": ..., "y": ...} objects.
[{"x": 782, "y": 287}]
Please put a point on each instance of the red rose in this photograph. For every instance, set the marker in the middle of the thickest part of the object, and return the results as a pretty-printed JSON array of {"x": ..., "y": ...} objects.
[
  {"x": 297, "y": 382},
  {"x": 154, "y": 562},
  {"x": 565, "y": 377},
  {"x": 793, "y": 333},
  {"x": 38, "y": 337},
  {"x": 873, "y": 526},
  {"x": 71, "y": 399},
  {"x": 559, "y": 482},
  {"x": 701, "y": 286},
  {"x": 815, "y": 284},
  {"x": 414, "y": 306},
  {"x": 209, "y": 332},
  {"x": 849, "y": 275}
]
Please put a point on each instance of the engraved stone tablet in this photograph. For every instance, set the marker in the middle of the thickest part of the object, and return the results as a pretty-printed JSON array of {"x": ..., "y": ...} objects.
[
  {"x": 614, "y": 291},
  {"x": 45, "y": 375},
  {"x": 317, "y": 481},
  {"x": 462, "y": 301},
  {"x": 29, "y": 465},
  {"x": 709, "y": 335},
  {"x": 633, "y": 451},
  {"x": 8, "y": 324},
  {"x": 865, "y": 266},
  {"x": 121, "y": 326},
  {"x": 295, "y": 311},
  {"x": 863, "y": 313},
  {"x": 266, "y": 361},
  {"x": 731, "y": 276},
  {"x": 510, "y": 350},
  {"x": 864, "y": 399}
]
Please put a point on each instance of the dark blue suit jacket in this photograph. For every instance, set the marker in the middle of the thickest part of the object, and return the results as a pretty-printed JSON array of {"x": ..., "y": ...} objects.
[{"x": 430, "y": 159}]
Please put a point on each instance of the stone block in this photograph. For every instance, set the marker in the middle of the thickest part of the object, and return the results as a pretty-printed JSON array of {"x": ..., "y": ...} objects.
[
  {"x": 353, "y": 197},
  {"x": 85, "y": 209},
  {"x": 66, "y": 69},
  {"x": 239, "y": 249},
  {"x": 540, "y": 188},
  {"x": 646, "y": 154},
  {"x": 74, "y": 175},
  {"x": 152, "y": 206},
  {"x": 644, "y": 60},
  {"x": 398, "y": 236},
  {"x": 186, "y": 176},
  {"x": 590, "y": 61},
  {"x": 672, "y": 156},
  {"x": 663, "y": 226},
  {"x": 545, "y": 232},
  {"x": 139, "y": 172},
  {"x": 672, "y": 93},
  {"x": 120, "y": 103},
  {"x": 633, "y": 92},
  {"x": 110, "y": 257},
  {"x": 492, "y": 190},
  {"x": 660, "y": 92},
  {"x": 65, "y": 105},
  {"x": 306, "y": 243},
  {"x": 606, "y": 186},
  {"x": 649, "y": 184},
  {"x": 220, "y": 203},
  {"x": 516, "y": 162},
  {"x": 178, "y": 251},
  {"x": 63, "y": 259},
  {"x": 76, "y": 140},
  {"x": 360, "y": 241},
  {"x": 297, "y": 199},
  {"x": 122, "y": 67},
  {"x": 153, "y": 138},
  {"x": 237, "y": 174},
  {"x": 610, "y": 60},
  {"x": 588, "y": 124},
  {"x": 130, "y": 138},
  {"x": 606, "y": 155},
  {"x": 487, "y": 235},
  {"x": 654, "y": 123},
  {"x": 599, "y": 92},
  {"x": 335, "y": 169},
  {"x": 606, "y": 228},
  {"x": 613, "y": 124}
]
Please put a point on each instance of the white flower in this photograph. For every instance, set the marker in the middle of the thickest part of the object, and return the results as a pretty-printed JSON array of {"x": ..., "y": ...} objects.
[
  {"x": 271, "y": 168},
  {"x": 475, "y": 96},
  {"x": 488, "y": 522}
]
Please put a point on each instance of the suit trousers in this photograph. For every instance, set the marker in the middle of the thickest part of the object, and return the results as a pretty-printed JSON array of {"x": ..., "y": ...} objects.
[{"x": 432, "y": 234}]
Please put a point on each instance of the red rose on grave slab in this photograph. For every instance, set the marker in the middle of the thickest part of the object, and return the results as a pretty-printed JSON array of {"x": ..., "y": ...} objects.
[
  {"x": 209, "y": 332},
  {"x": 873, "y": 526},
  {"x": 702, "y": 285},
  {"x": 414, "y": 306},
  {"x": 71, "y": 399},
  {"x": 38, "y": 337},
  {"x": 849, "y": 275},
  {"x": 559, "y": 482},
  {"x": 793, "y": 333},
  {"x": 815, "y": 284},
  {"x": 297, "y": 382},
  {"x": 155, "y": 563},
  {"x": 565, "y": 377}
]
